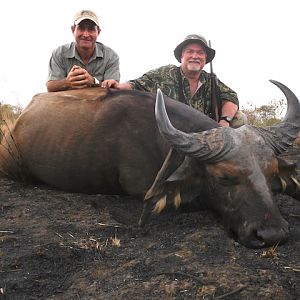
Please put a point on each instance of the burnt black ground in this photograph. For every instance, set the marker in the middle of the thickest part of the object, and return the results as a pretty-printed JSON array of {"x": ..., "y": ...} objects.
[{"x": 58, "y": 245}]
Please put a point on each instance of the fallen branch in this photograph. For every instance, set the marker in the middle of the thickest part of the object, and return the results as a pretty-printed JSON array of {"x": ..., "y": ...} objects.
[
  {"x": 109, "y": 225},
  {"x": 232, "y": 292},
  {"x": 59, "y": 235},
  {"x": 6, "y": 231},
  {"x": 293, "y": 215},
  {"x": 295, "y": 269}
]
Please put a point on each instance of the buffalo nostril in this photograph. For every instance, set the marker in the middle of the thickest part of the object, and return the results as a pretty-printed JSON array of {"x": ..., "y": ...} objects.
[
  {"x": 256, "y": 241},
  {"x": 273, "y": 236},
  {"x": 250, "y": 239},
  {"x": 254, "y": 236}
]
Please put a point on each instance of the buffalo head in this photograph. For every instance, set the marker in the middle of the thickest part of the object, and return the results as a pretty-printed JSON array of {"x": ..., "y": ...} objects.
[{"x": 230, "y": 170}]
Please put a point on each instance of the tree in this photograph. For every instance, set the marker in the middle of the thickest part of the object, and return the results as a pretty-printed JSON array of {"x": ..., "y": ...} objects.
[
  {"x": 265, "y": 115},
  {"x": 9, "y": 112}
]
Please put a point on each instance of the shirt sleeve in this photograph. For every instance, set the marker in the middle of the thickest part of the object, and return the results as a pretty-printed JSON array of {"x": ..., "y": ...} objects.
[
  {"x": 113, "y": 68},
  {"x": 148, "y": 82},
  {"x": 226, "y": 93},
  {"x": 56, "y": 68}
]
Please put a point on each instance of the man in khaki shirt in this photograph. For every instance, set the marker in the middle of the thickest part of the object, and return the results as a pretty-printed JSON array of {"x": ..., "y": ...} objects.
[{"x": 84, "y": 62}]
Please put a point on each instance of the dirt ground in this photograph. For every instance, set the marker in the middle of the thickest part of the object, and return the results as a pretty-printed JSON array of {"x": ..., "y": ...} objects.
[{"x": 58, "y": 245}]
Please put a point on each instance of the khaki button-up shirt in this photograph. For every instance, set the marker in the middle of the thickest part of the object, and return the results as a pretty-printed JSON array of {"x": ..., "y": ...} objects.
[{"x": 104, "y": 64}]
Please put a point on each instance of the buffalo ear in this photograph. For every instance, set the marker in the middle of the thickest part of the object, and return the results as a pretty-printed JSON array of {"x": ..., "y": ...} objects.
[
  {"x": 182, "y": 172},
  {"x": 287, "y": 182},
  {"x": 172, "y": 185},
  {"x": 285, "y": 166},
  {"x": 172, "y": 161}
]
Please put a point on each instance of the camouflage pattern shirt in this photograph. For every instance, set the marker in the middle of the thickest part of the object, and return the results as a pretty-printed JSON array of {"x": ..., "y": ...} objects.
[{"x": 167, "y": 79}]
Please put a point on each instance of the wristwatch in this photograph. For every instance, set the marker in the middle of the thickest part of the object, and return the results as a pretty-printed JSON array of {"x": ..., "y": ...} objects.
[{"x": 226, "y": 118}]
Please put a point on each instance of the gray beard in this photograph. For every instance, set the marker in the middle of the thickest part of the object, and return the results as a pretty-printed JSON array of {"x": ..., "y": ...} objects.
[{"x": 193, "y": 68}]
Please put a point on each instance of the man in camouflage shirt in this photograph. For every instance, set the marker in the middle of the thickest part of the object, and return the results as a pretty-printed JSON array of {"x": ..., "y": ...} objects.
[{"x": 189, "y": 83}]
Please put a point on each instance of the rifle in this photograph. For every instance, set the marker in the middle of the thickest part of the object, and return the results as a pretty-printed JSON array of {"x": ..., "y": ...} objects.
[{"x": 216, "y": 105}]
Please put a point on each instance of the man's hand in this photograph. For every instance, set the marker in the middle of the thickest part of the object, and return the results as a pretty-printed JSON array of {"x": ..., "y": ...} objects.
[
  {"x": 79, "y": 78},
  {"x": 110, "y": 83},
  {"x": 224, "y": 123}
]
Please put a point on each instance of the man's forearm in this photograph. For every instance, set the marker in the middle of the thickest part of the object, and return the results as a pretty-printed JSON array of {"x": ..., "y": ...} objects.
[
  {"x": 229, "y": 109},
  {"x": 57, "y": 85}
]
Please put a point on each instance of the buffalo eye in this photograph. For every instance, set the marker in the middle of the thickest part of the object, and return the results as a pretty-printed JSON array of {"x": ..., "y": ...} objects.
[{"x": 228, "y": 180}]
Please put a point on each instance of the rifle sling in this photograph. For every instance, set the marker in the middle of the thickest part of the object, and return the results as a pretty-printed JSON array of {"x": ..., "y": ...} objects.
[{"x": 215, "y": 108}]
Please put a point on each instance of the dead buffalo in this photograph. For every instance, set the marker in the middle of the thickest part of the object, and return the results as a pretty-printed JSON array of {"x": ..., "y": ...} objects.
[{"x": 105, "y": 141}]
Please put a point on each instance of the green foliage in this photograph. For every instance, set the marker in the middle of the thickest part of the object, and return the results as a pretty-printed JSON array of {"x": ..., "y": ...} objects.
[{"x": 265, "y": 115}]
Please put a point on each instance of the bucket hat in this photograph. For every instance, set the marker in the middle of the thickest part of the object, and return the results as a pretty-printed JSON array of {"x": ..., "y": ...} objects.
[{"x": 195, "y": 38}]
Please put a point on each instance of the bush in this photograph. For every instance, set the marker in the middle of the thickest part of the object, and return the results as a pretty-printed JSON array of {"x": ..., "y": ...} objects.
[
  {"x": 9, "y": 113},
  {"x": 265, "y": 115}
]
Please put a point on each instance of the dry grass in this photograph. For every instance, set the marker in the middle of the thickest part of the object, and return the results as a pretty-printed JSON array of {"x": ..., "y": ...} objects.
[
  {"x": 271, "y": 252},
  {"x": 8, "y": 116}
]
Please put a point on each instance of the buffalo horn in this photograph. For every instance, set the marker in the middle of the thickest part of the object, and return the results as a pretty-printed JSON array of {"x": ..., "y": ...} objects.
[
  {"x": 281, "y": 136},
  {"x": 210, "y": 145}
]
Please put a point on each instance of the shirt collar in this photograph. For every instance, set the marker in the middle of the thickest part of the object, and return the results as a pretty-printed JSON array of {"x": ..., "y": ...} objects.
[
  {"x": 202, "y": 79},
  {"x": 71, "y": 53}
]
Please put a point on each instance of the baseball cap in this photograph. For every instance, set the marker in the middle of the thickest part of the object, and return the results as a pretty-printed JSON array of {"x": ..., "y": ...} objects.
[{"x": 86, "y": 14}]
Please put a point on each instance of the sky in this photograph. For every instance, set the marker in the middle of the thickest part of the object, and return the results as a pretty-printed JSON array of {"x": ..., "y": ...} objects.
[{"x": 254, "y": 41}]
